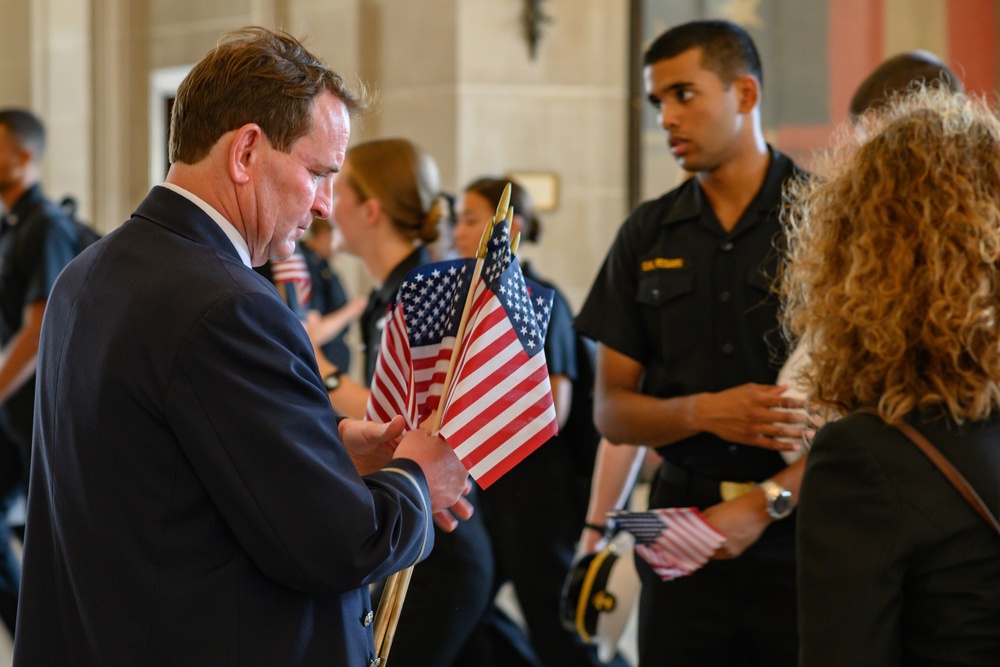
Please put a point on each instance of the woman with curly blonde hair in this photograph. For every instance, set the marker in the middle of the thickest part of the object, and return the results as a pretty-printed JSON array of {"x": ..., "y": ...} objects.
[{"x": 893, "y": 284}]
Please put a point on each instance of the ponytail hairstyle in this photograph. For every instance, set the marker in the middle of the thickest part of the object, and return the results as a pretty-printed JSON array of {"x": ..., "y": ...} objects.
[{"x": 405, "y": 181}]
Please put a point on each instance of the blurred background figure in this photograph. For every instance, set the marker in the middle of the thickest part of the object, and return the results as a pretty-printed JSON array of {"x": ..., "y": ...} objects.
[
  {"x": 330, "y": 311},
  {"x": 535, "y": 512},
  {"x": 308, "y": 284},
  {"x": 37, "y": 239},
  {"x": 387, "y": 208},
  {"x": 892, "y": 284},
  {"x": 899, "y": 73}
]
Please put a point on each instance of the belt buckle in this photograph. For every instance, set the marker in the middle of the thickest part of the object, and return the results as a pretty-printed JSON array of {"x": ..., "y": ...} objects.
[{"x": 731, "y": 490}]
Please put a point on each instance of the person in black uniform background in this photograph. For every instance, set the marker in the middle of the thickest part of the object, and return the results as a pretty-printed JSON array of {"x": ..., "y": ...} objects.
[
  {"x": 898, "y": 74},
  {"x": 334, "y": 311},
  {"x": 387, "y": 208},
  {"x": 688, "y": 352},
  {"x": 37, "y": 239},
  {"x": 533, "y": 542}
]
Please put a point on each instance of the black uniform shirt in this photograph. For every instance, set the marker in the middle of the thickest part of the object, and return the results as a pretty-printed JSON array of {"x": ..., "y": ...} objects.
[
  {"x": 328, "y": 295},
  {"x": 693, "y": 305},
  {"x": 37, "y": 241}
]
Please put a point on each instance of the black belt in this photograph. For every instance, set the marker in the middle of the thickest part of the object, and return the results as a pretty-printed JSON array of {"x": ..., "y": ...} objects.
[{"x": 701, "y": 485}]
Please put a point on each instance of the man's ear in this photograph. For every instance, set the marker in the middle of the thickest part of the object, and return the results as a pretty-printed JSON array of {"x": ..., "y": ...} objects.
[
  {"x": 244, "y": 152},
  {"x": 747, "y": 91}
]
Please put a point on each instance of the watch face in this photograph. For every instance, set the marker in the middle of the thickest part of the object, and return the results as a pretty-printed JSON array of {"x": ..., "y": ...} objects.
[
  {"x": 782, "y": 504},
  {"x": 332, "y": 381}
]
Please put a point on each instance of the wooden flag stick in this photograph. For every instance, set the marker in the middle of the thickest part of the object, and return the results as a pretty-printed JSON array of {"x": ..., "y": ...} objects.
[
  {"x": 397, "y": 583},
  {"x": 503, "y": 210},
  {"x": 385, "y": 610},
  {"x": 396, "y": 609}
]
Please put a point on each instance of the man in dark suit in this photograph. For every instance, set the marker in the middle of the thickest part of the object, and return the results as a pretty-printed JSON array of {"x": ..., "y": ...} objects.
[{"x": 191, "y": 501}]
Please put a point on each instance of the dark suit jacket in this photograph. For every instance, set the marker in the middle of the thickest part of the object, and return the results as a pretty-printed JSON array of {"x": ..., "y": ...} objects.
[
  {"x": 895, "y": 568},
  {"x": 190, "y": 501}
]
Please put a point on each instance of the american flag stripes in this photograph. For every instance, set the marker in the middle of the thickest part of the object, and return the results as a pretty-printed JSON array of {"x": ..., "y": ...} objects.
[
  {"x": 417, "y": 341},
  {"x": 291, "y": 276},
  {"x": 499, "y": 406},
  {"x": 674, "y": 541}
]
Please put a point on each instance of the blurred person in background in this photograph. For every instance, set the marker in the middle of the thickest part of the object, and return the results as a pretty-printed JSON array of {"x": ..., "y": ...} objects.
[{"x": 387, "y": 208}]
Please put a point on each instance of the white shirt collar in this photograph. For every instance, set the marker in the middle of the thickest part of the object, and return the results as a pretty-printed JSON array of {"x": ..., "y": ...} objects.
[{"x": 238, "y": 241}]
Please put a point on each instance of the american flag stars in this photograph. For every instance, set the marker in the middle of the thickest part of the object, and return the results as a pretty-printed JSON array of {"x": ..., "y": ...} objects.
[{"x": 431, "y": 297}]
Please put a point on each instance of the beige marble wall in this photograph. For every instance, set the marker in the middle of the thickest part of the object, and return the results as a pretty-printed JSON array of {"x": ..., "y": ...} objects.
[
  {"x": 564, "y": 112},
  {"x": 453, "y": 75},
  {"x": 457, "y": 77},
  {"x": 15, "y": 54},
  {"x": 45, "y": 65}
]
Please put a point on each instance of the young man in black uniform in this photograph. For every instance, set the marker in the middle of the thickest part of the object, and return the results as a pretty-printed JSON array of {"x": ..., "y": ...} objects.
[
  {"x": 37, "y": 239},
  {"x": 688, "y": 352}
]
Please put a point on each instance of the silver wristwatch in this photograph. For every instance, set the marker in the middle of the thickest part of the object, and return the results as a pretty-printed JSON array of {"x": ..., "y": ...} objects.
[{"x": 779, "y": 499}]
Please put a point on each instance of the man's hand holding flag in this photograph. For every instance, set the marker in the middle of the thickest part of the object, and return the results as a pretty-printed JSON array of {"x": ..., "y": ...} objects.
[{"x": 463, "y": 348}]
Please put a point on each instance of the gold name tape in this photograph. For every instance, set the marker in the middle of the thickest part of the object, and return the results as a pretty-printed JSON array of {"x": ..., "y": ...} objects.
[{"x": 662, "y": 263}]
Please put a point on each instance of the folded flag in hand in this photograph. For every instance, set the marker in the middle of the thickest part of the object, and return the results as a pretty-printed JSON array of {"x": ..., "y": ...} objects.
[
  {"x": 674, "y": 541},
  {"x": 291, "y": 277}
]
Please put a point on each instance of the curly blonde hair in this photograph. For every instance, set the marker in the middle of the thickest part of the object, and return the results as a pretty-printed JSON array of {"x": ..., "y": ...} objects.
[{"x": 892, "y": 280}]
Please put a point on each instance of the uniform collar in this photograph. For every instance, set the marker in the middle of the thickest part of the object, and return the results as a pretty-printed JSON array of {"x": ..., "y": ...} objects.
[
  {"x": 691, "y": 202},
  {"x": 27, "y": 199},
  {"x": 387, "y": 292}
]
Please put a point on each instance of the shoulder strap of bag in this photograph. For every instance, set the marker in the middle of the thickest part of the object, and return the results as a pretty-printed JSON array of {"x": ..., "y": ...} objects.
[{"x": 946, "y": 468}]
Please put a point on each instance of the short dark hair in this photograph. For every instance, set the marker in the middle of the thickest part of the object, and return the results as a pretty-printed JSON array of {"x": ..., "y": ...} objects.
[
  {"x": 253, "y": 75},
  {"x": 726, "y": 48},
  {"x": 898, "y": 74},
  {"x": 26, "y": 128}
]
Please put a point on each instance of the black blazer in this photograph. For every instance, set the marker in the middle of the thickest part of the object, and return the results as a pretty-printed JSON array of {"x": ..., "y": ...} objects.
[
  {"x": 190, "y": 502},
  {"x": 894, "y": 567}
]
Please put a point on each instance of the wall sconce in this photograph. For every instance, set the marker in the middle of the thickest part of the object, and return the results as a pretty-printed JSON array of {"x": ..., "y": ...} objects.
[{"x": 533, "y": 18}]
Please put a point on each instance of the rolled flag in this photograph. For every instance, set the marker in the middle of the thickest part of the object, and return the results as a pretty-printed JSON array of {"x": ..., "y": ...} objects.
[{"x": 674, "y": 541}]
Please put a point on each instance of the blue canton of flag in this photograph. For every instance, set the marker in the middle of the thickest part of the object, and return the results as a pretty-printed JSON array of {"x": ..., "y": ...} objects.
[
  {"x": 433, "y": 297},
  {"x": 528, "y": 306}
]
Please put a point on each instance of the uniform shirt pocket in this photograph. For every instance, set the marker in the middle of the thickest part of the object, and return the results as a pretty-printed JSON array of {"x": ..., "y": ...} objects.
[
  {"x": 670, "y": 311},
  {"x": 659, "y": 287}
]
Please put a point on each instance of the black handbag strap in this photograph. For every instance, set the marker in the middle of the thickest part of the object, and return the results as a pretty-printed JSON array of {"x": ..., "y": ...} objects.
[{"x": 945, "y": 466}]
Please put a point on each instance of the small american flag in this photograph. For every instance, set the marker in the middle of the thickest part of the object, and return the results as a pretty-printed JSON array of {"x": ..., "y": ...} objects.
[
  {"x": 291, "y": 276},
  {"x": 674, "y": 541},
  {"x": 499, "y": 407}
]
